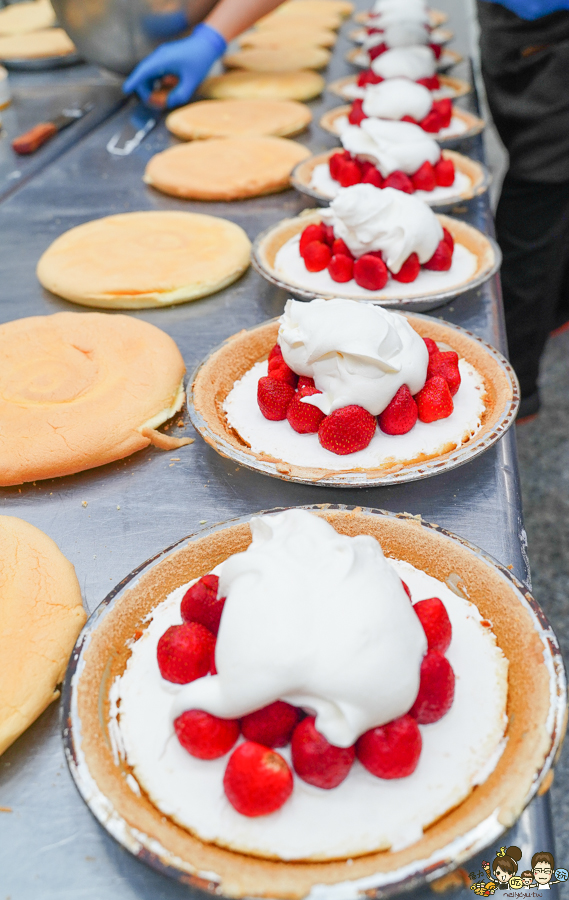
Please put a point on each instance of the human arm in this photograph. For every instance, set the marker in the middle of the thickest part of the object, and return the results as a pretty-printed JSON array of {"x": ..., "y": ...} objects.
[{"x": 191, "y": 58}]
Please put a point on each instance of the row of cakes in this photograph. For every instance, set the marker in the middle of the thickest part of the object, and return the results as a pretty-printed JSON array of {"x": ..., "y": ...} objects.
[{"x": 235, "y": 754}]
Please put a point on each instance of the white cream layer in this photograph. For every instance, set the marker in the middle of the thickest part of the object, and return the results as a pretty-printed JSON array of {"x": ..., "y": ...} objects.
[
  {"x": 457, "y": 127},
  {"x": 289, "y": 266},
  {"x": 361, "y": 815},
  {"x": 279, "y": 440},
  {"x": 352, "y": 91},
  {"x": 446, "y": 59},
  {"x": 328, "y": 187},
  {"x": 405, "y": 62}
]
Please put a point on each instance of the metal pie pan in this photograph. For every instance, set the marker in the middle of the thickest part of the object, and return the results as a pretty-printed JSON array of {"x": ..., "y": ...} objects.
[
  {"x": 448, "y": 59},
  {"x": 502, "y": 420},
  {"x": 458, "y": 86},
  {"x": 298, "y": 179},
  {"x": 418, "y": 303},
  {"x": 418, "y": 874},
  {"x": 473, "y": 125}
]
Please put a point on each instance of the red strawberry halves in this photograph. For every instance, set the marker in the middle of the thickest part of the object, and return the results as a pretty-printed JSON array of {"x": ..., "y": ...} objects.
[
  {"x": 401, "y": 413},
  {"x": 391, "y": 750},
  {"x": 185, "y": 652},
  {"x": 205, "y": 736},
  {"x": 317, "y": 761},
  {"x": 347, "y": 430},
  {"x": 436, "y": 623},
  {"x": 273, "y": 397},
  {"x": 436, "y": 689},
  {"x": 272, "y": 725},
  {"x": 434, "y": 400},
  {"x": 201, "y": 604},
  {"x": 257, "y": 780}
]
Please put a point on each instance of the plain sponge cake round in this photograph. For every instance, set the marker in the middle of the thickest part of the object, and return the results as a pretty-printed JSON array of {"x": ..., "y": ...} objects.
[
  {"x": 36, "y": 44},
  {"x": 20, "y": 18},
  {"x": 78, "y": 390},
  {"x": 288, "y": 37},
  {"x": 225, "y": 118},
  {"x": 285, "y": 59},
  {"x": 40, "y": 618},
  {"x": 141, "y": 259},
  {"x": 225, "y": 168},
  {"x": 302, "y": 85}
]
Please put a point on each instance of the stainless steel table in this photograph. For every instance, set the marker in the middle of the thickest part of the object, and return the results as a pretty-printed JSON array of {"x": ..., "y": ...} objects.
[
  {"x": 50, "y": 846},
  {"x": 40, "y": 96}
]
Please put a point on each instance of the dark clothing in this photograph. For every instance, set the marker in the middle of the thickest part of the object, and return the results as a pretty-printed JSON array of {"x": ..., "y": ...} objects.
[{"x": 525, "y": 65}]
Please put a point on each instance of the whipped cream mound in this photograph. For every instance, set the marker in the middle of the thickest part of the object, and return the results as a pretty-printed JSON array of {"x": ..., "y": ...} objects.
[
  {"x": 407, "y": 8},
  {"x": 293, "y": 636},
  {"x": 395, "y": 98},
  {"x": 328, "y": 187},
  {"x": 398, "y": 32},
  {"x": 369, "y": 218},
  {"x": 391, "y": 146},
  {"x": 364, "y": 813},
  {"x": 356, "y": 353},
  {"x": 405, "y": 62},
  {"x": 280, "y": 441}
]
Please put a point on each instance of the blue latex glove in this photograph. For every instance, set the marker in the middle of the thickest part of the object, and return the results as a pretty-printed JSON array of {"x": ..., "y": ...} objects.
[{"x": 190, "y": 59}]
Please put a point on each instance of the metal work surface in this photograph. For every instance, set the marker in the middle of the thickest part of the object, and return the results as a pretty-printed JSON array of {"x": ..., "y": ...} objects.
[
  {"x": 109, "y": 520},
  {"x": 40, "y": 96}
]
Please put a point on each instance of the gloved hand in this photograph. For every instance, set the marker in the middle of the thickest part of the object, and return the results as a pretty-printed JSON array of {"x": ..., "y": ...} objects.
[{"x": 190, "y": 59}]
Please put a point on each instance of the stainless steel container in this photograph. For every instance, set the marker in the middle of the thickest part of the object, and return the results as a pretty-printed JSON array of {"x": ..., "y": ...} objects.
[{"x": 118, "y": 34}]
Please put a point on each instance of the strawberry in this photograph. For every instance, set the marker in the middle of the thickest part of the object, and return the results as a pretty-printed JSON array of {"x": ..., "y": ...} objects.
[
  {"x": 436, "y": 623},
  {"x": 377, "y": 51},
  {"x": 347, "y": 430},
  {"x": 341, "y": 248},
  {"x": 317, "y": 761},
  {"x": 441, "y": 260},
  {"x": 448, "y": 238},
  {"x": 406, "y": 588},
  {"x": 276, "y": 353},
  {"x": 432, "y": 83},
  {"x": 409, "y": 119},
  {"x": 329, "y": 236},
  {"x": 357, "y": 114},
  {"x": 409, "y": 270},
  {"x": 335, "y": 163},
  {"x": 391, "y": 750},
  {"x": 278, "y": 369},
  {"x": 349, "y": 173},
  {"x": 201, "y": 604},
  {"x": 341, "y": 267},
  {"x": 434, "y": 400},
  {"x": 432, "y": 122},
  {"x": 304, "y": 381},
  {"x": 303, "y": 417},
  {"x": 445, "y": 365},
  {"x": 400, "y": 414},
  {"x": 373, "y": 176},
  {"x": 400, "y": 181},
  {"x": 370, "y": 272},
  {"x": 437, "y": 50},
  {"x": 205, "y": 736},
  {"x": 317, "y": 255},
  {"x": 368, "y": 77},
  {"x": 311, "y": 233},
  {"x": 185, "y": 652},
  {"x": 424, "y": 178},
  {"x": 271, "y": 726},
  {"x": 444, "y": 109},
  {"x": 444, "y": 172},
  {"x": 257, "y": 780},
  {"x": 436, "y": 689},
  {"x": 431, "y": 346},
  {"x": 273, "y": 397}
]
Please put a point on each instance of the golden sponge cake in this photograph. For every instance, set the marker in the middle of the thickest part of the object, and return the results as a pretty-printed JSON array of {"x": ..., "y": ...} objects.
[
  {"x": 226, "y": 118},
  {"x": 40, "y": 618},
  {"x": 302, "y": 85}
]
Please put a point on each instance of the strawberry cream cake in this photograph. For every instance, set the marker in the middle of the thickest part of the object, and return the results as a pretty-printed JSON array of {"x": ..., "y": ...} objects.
[
  {"x": 391, "y": 154},
  {"x": 350, "y": 385},
  {"x": 375, "y": 240},
  {"x": 402, "y": 100},
  {"x": 266, "y": 716}
]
